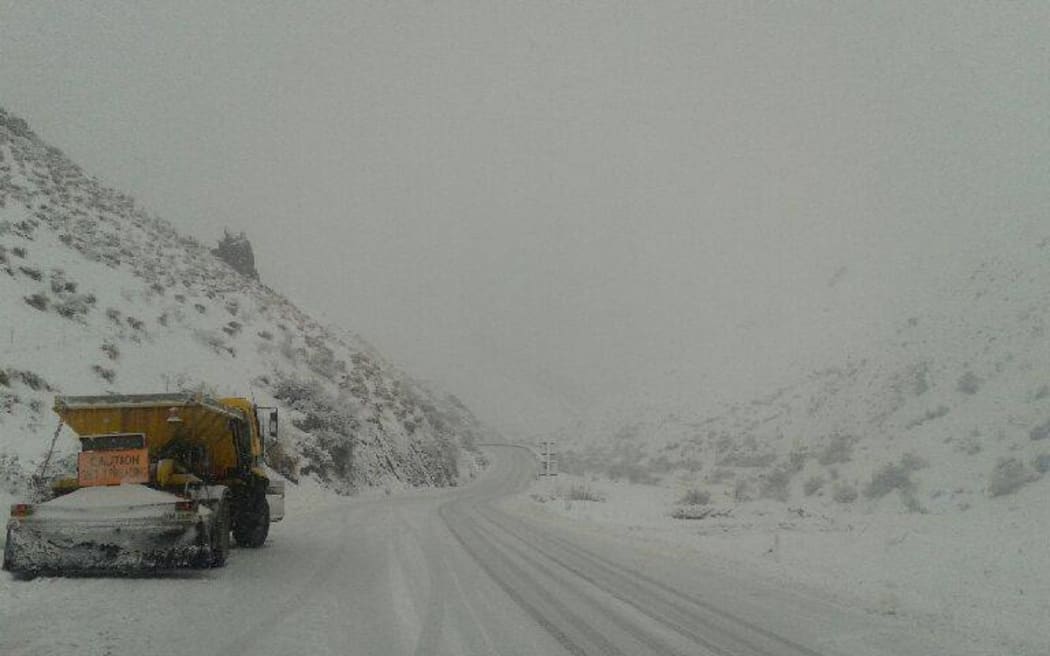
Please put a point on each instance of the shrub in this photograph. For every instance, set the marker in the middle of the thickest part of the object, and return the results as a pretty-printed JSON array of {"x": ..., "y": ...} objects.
[
  {"x": 812, "y": 485},
  {"x": 1040, "y": 432},
  {"x": 213, "y": 341},
  {"x": 35, "y": 274},
  {"x": 844, "y": 493},
  {"x": 73, "y": 307},
  {"x": 111, "y": 350},
  {"x": 581, "y": 492},
  {"x": 697, "y": 512},
  {"x": 797, "y": 459},
  {"x": 104, "y": 373},
  {"x": 113, "y": 314},
  {"x": 136, "y": 324},
  {"x": 742, "y": 490},
  {"x": 838, "y": 450},
  {"x": 1041, "y": 463},
  {"x": 930, "y": 415},
  {"x": 968, "y": 383},
  {"x": 721, "y": 475},
  {"x": 775, "y": 483},
  {"x": 631, "y": 471},
  {"x": 39, "y": 301},
  {"x": 60, "y": 285},
  {"x": 894, "y": 476},
  {"x": 695, "y": 497},
  {"x": 1008, "y": 476},
  {"x": 971, "y": 445},
  {"x": 737, "y": 459},
  {"x": 31, "y": 380}
]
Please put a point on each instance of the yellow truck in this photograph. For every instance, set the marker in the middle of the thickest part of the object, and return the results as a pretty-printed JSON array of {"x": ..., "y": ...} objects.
[{"x": 163, "y": 480}]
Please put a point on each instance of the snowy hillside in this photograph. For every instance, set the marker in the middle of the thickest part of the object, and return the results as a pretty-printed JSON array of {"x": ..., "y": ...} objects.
[
  {"x": 912, "y": 479},
  {"x": 98, "y": 296},
  {"x": 952, "y": 408}
]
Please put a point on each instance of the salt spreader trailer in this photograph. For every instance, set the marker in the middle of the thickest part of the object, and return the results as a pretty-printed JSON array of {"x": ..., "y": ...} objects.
[{"x": 162, "y": 482}]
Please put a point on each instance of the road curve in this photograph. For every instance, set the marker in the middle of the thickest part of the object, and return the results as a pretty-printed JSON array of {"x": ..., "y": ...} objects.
[{"x": 443, "y": 572}]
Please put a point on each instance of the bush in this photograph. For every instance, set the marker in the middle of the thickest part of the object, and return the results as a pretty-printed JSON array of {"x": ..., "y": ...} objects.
[
  {"x": 104, "y": 373},
  {"x": 812, "y": 485},
  {"x": 737, "y": 459},
  {"x": 969, "y": 383},
  {"x": 775, "y": 483},
  {"x": 894, "y": 476},
  {"x": 844, "y": 493},
  {"x": 31, "y": 380},
  {"x": 695, "y": 497},
  {"x": 213, "y": 341},
  {"x": 1040, "y": 432},
  {"x": 73, "y": 307},
  {"x": 721, "y": 475},
  {"x": 633, "y": 472},
  {"x": 39, "y": 301},
  {"x": 1008, "y": 476},
  {"x": 698, "y": 512},
  {"x": 111, "y": 350},
  {"x": 581, "y": 492},
  {"x": 35, "y": 274},
  {"x": 838, "y": 450},
  {"x": 971, "y": 446},
  {"x": 930, "y": 415},
  {"x": 742, "y": 490}
]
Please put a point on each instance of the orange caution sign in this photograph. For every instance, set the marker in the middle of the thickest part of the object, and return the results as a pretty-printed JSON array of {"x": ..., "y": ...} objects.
[{"x": 113, "y": 467}]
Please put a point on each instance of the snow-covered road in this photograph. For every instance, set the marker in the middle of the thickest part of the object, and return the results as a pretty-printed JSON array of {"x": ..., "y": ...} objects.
[{"x": 444, "y": 572}]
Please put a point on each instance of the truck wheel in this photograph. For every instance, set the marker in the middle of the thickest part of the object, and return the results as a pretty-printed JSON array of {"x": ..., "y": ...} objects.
[
  {"x": 252, "y": 523},
  {"x": 220, "y": 534}
]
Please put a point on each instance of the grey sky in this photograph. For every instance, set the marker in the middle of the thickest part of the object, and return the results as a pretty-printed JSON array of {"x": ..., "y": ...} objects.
[{"x": 546, "y": 207}]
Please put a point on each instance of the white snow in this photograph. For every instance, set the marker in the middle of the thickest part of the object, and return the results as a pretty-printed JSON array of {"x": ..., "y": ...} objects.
[
  {"x": 112, "y": 496},
  {"x": 984, "y": 573}
]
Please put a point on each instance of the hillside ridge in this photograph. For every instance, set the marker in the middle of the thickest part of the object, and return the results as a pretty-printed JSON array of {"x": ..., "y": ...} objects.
[{"x": 100, "y": 296}]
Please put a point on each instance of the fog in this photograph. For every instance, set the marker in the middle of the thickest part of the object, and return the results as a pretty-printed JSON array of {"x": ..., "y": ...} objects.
[{"x": 552, "y": 209}]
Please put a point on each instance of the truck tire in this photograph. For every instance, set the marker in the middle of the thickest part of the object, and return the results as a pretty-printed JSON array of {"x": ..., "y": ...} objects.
[
  {"x": 251, "y": 525},
  {"x": 220, "y": 534}
]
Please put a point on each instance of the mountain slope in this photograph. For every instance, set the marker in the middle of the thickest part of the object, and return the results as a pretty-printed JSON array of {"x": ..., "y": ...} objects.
[
  {"x": 953, "y": 407},
  {"x": 98, "y": 296}
]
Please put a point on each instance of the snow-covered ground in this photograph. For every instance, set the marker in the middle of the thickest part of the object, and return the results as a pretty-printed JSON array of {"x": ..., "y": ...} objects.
[{"x": 984, "y": 573}]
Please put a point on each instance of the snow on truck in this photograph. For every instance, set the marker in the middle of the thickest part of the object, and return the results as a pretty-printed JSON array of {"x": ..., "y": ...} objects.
[{"x": 162, "y": 482}]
